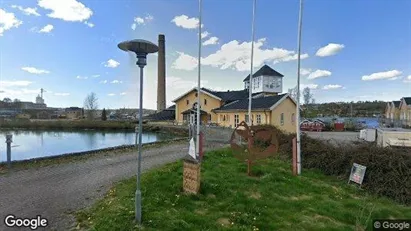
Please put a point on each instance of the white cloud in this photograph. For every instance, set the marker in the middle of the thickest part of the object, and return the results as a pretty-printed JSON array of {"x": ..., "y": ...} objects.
[
  {"x": 141, "y": 21},
  {"x": 185, "y": 22},
  {"x": 318, "y": 74},
  {"x": 185, "y": 62},
  {"x": 34, "y": 70},
  {"x": 61, "y": 94},
  {"x": 103, "y": 81},
  {"x": 47, "y": 29},
  {"x": 311, "y": 86},
  {"x": 178, "y": 83},
  {"x": 81, "y": 77},
  {"x": 27, "y": 11},
  {"x": 112, "y": 63},
  {"x": 305, "y": 71},
  {"x": 116, "y": 81},
  {"x": 382, "y": 75},
  {"x": 111, "y": 94},
  {"x": 21, "y": 83},
  {"x": 8, "y": 21},
  {"x": 408, "y": 79},
  {"x": 329, "y": 50},
  {"x": 67, "y": 10},
  {"x": 20, "y": 92},
  {"x": 332, "y": 87},
  {"x": 204, "y": 34},
  {"x": 123, "y": 93},
  {"x": 89, "y": 24},
  {"x": 236, "y": 56},
  {"x": 211, "y": 41}
]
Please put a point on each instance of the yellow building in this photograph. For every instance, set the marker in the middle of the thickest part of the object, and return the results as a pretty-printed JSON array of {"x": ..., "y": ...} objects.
[
  {"x": 392, "y": 111},
  {"x": 229, "y": 108},
  {"x": 405, "y": 111},
  {"x": 23, "y": 116}
]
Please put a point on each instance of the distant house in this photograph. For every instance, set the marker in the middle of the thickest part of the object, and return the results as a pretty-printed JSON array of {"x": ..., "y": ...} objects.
[
  {"x": 405, "y": 111},
  {"x": 23, "y": 116},
  {"x": 392, "y": 110},
  {"x": 165, "y": 116},
  {"x": 73, "y": 113}
]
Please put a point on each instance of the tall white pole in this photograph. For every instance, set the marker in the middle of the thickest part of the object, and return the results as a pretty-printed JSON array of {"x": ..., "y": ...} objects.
[
  {"x": 199, "y": 79},
  {"x": 298, "y": 90},
  {"x": 250, "y": 90}
]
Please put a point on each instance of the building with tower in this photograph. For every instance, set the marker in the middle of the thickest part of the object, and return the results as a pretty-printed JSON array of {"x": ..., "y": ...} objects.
[{"x": 229, "y": 108}]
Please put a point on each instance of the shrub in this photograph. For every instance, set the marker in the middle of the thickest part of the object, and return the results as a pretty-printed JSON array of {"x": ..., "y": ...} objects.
[{"x": 388, "y": 169}]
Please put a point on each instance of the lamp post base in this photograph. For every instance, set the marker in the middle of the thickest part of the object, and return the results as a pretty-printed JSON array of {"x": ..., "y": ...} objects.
[{"x": 138, "y": 206}]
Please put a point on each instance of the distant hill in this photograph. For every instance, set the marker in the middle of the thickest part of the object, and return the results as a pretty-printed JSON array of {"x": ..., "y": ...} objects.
[{"x": 345, "y": 109}]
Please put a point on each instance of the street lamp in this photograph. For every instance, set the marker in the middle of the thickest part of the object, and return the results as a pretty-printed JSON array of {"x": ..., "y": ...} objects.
[{"x": 141, "y": 48}]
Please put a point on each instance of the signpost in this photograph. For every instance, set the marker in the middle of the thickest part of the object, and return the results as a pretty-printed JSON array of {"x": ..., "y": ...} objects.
[{"x": 357, "y": 173}]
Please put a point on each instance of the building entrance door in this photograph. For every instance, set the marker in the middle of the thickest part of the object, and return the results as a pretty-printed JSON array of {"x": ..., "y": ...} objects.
[{"x": 193, "y": 118}]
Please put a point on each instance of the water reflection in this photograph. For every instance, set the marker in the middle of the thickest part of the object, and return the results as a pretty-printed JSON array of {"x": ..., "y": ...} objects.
[{"x": 32, "y": 144}]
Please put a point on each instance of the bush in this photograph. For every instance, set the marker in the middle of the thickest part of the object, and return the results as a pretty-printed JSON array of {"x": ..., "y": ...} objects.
[{"x": 388, "y": 169}]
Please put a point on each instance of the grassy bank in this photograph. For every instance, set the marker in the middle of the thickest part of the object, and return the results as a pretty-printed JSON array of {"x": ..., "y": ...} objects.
[
  {"x": 62, "y": 159},
  {"x": 84, "y": 124},
  {"x": 272, "y": 200}
]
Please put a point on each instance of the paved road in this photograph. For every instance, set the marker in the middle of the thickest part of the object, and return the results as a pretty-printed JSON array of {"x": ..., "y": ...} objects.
[{"x": 55, "y": 191}]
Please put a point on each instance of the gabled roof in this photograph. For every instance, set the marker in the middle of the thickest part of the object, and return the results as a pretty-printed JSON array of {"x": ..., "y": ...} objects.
[
  {"x": 396, "y": 103},
  {"x": 203, "y": 90},
  {"x": 229, "y": 96},
  {"x": 264, "y": 70},
  {"x": 261, "y": 103},
  {"x": 407, "y": 100},
  {"x": 162, "y": 115}
]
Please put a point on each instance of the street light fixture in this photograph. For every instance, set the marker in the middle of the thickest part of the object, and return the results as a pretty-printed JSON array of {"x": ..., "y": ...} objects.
[{"x": 141, "y": 48}]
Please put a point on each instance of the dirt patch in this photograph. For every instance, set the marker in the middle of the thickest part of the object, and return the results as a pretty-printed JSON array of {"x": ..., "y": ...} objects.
[
  {"x": 200, "y": 211},
  {"x": 255, "y": 195},
  {"x": 301, "y": 198},
  {"x": 223, "y": 221},
  {"x": 211, "y": 195}
]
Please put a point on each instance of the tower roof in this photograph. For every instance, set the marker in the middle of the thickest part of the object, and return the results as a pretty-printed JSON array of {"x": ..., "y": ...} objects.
[{"x": 264, "y": 70}]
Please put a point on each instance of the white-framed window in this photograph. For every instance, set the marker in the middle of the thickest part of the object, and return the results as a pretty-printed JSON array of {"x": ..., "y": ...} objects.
[
  {"x": 282, "y": 119},
  {"x": 236, "y": 120},
  {"x": 258, "y": 119},
  {"x": 246, "y": 118}
]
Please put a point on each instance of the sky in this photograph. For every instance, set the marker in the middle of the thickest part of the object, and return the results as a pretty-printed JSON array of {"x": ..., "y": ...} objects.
[{"x": 351, "y": 50}]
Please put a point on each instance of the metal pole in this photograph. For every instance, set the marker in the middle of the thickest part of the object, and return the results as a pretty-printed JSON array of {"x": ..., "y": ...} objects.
[
  {"x": 140, "y": 131},
  {"x": 298, "y": 91},
  {"x": 8, "y": 141},
  {"x": 250, "y": 91},
  {"x": 198, "y": 81}
]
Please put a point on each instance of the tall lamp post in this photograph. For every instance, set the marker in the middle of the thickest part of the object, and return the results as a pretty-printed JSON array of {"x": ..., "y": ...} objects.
[
  {"x": 300, "y": 22},
  {"x": 141, "y": 48}
]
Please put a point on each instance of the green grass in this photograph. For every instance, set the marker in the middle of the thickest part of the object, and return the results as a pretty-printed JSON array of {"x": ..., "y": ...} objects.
[{"x": 229, "y": 199}]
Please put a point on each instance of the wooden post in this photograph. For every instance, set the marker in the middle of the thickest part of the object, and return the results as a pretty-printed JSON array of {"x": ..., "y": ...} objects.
[
  {"x": 294, "y": 164},
  {"x": 191, "y": 175}
]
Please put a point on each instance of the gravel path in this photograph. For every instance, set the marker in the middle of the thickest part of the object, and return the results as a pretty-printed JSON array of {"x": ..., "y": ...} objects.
[{"x": 55, "y": 191}]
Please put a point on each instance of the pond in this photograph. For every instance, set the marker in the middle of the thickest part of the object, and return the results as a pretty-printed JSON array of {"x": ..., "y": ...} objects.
[{"x": 34, "y": 144}]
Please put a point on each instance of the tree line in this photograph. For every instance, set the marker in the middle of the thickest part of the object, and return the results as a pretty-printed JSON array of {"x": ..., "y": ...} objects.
[{"x": 342, "y": 109}]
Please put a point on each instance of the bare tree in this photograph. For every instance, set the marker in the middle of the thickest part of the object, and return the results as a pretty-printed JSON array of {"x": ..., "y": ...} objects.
[
  {"x": 293, "y": 93},
  {"x": 91, "y": 105},
  {"x": 308, "y": 96},
  {"x": 7, "y": 100}
]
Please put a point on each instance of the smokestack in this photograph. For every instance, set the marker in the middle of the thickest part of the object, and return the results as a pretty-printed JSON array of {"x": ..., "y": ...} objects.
[{"x": 161, "y": 71}]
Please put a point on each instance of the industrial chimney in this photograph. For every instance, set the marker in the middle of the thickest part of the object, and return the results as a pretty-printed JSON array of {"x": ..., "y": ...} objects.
[{"x": 161, "y": 81}]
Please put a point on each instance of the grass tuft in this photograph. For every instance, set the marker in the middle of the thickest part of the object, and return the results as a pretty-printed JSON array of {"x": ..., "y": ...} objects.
[{"x": 228, "y": 199}]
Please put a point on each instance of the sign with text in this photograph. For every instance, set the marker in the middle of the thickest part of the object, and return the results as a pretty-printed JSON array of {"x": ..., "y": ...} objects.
[{"x": 357, "y": 173}]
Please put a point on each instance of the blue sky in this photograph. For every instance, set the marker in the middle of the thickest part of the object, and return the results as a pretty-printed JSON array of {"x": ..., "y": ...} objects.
[{"x": 352, "y": 50}]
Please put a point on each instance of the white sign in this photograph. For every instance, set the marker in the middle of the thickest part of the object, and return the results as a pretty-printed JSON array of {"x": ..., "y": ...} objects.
[
  {"x": 357, "y": 173},
  {"x": 192, "y": 149}
]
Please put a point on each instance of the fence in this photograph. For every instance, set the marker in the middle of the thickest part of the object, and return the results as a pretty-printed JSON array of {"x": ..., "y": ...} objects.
[{"x": 211, "y": 134}]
